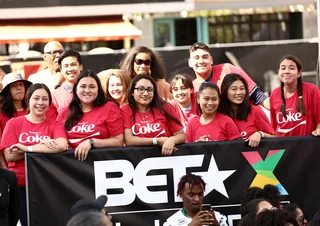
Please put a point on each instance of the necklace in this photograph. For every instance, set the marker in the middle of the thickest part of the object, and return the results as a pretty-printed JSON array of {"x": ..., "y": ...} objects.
[{"x": 144, "y": 116}]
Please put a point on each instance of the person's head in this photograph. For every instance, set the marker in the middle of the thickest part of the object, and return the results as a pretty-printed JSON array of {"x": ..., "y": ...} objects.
[
  {"x": 142, "y": 60},
  {"x": 70, "y": 64},
  {"x": 297, "y": 213},
  {"x": 277, "y": 217},
  {"x": 181, "y": 88},
  {"x": 256, "y": 206},
  {"x": 269, "y": 193},
  {"x": 191, "y": 189},
  {"x": 52, "y": 52},
  {"x": 200, "y": 59},
  {"x": 235, "y": 97},
  {"x": 90, "y": 218},
  {"x": 38, "y": 99},
  {"x": 208, "y": 98},
  {"x": 289, "y": 72},
  {"x": 89, "y": 205},
  {"x": 115, "y": 83},
  {"x": 87, "y": 90}
]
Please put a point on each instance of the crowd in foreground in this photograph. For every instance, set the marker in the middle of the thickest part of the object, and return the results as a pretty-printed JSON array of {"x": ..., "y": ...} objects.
[{"x": 67, "y": 107}]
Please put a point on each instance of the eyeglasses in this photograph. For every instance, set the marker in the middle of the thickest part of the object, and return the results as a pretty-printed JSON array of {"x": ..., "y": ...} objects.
[
  {"x": 302, "y": 220},
  {"x": 140, "y": 62},
  {"x": 141, "y": 90},
  {"x": 54, "y": 52}
]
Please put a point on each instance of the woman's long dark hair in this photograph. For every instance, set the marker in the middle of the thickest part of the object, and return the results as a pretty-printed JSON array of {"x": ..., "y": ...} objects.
[
  {"x": 225, "y": 105},
  {"x": 6, "y": 101},
  {"x": 76, "y": 112},
  {"x": 156, "y": 102},
  {"x": 156, "y": 67}
]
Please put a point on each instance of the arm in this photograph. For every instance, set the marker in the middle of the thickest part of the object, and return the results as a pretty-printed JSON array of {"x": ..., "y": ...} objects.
[
  {"x": 2, "y": 161},
  {"x": 316, "y": 132},
  {"x": 132, "y": 140},
  {"x": 168, "y": 144},
  {"x": 258, "y": 97},
  {"x": 13, "y": 156}
]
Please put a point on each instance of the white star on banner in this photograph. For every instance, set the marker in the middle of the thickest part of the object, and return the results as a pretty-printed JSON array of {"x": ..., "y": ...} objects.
[{"x": 214, "y": 178}]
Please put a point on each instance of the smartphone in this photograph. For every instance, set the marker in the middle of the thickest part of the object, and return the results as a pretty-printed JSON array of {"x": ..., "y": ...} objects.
[{"x": 206, "y": 207}]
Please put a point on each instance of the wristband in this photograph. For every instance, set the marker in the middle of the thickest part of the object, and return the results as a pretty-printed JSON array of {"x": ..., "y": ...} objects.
[
  {"x": 30, "y": 149},
  {"x": 154, "y": 141},
  {"x": 261, "y": 134}
]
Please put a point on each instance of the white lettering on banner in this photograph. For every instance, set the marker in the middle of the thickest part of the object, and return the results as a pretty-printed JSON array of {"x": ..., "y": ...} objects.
[
  {"x": 148, "y": 128},
  {"x": 141, "y": 181},
  {"x": 291, "y": 117},
  {"x": 244, "y": 134},
  {"x": 82, "y": 128},
  {"x": 25, "y": 137}
]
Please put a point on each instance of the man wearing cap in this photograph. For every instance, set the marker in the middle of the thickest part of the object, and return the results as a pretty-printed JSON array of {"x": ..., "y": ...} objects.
[
  {"x": 51, "y": 76},
  {"x": 12, "y": 103},
  {"x": 97, "y": 205}
]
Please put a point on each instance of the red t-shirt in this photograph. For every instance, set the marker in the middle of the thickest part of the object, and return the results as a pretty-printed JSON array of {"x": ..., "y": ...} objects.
[
  {"x": 4, "y": 119},
  {"x": 21, "y": 130},
  {"x": 185, "y": 117},
  {"x": 221, "y": 127},
  {"x": 296, "y": 123},
  {"x": 218, "y": 73},
  {"x": 101, "y": 123},
  {"x": 152, "y": 123},
  {"x": 256, "y": 121}
]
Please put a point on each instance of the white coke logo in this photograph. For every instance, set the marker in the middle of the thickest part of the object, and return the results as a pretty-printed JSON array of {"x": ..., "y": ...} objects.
[
  {"x": 291, "y": 117},
  {"x": 148, "y": 128},
  {"x": 83, "y": 128},
  {"x": 24, "y": 137},
  {"x": 244, "y": 134}
]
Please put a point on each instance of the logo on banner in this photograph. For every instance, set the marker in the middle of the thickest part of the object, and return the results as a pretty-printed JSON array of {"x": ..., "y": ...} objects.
[
  {"x": 136, "y": 181},
  {"x": 265, "y": 168}
]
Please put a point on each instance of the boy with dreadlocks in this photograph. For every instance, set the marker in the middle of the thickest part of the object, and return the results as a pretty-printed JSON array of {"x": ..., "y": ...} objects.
[
  {"x": 191, "y": 189},
  {"x": 295, "y": 106}
]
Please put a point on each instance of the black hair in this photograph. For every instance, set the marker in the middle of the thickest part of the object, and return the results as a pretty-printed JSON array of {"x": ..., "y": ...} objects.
[
  {"x": 300, "y": 105},
  {"x": 277, "y": 217},
  {"x": 76, "y": 112},
  {"x": 6, "y": 101},
  {"x": 199, "y": 45},
  {"x": 251, "y": 208},
  {"x": 156, "y": 102},
  {"x": 70, "y": 53},
  {"x": 270, "y": 193},
  {"x": 32, "y": 89},
  {"x": 192, "y": 180},
  {"x": 204, "y": 86},
  {"x": 87, "y": 218},
  {"x": 225, "y": 105},
  {"x": 291, "y": 208}
]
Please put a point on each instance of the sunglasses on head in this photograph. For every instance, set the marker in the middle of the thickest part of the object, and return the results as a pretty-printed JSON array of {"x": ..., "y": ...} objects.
[{"x": 140, "y": 62}]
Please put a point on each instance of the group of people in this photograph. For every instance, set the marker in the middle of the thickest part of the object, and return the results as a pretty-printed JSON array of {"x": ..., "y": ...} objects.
[{"x": 67, "y": 107}]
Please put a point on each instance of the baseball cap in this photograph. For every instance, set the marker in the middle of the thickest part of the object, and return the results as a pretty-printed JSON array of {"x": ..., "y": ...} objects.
[
  {"x": 11, "y": 78},
  {"x": 92, "y": 205}
]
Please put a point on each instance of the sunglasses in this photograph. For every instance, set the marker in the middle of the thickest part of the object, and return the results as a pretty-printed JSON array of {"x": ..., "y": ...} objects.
[{"x": 140, "y": 62}]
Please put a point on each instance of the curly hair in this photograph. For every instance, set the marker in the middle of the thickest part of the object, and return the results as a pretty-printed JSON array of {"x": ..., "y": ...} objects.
[{"x": 276, "y": 217}]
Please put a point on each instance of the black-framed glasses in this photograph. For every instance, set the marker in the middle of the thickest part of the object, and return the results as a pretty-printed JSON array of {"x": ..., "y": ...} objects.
[
  {"x": 302, "y": 220},
  {"x": 141, "y": 90},
  {"x": 55, "y": 52},
  {"x": 140, "y": 62}
]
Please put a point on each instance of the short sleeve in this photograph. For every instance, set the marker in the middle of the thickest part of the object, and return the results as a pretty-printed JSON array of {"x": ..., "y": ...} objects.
[
  {"x": 172, "y": 125},
  {"x": 126, "y": 116},
  {"x": 59, "y": 131},
  {"x": 232, "y": 130},
  {"x": 262, "y": 122},
  {"x": 114, "y": 121},
  {"x": 9, "y": 136}
]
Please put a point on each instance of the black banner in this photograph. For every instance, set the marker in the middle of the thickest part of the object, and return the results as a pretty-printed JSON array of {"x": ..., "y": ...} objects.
[
  {"x": 41, "y": 3},
  {"x": 141, "y": 184}
]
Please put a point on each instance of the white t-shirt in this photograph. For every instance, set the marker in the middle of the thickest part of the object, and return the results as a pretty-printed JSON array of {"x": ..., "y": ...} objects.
[
  {"x": 44, "y": 77},
  {"x": 180, "y": 218}
]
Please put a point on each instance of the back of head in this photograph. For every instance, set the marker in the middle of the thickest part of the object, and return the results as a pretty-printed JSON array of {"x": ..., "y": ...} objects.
[
  {"x": 276, "y": 217},
  {"x": 87, "y": 218}
]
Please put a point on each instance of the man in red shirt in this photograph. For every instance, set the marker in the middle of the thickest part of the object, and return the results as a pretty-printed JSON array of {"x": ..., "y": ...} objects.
[{"x": 201, "y": 62}]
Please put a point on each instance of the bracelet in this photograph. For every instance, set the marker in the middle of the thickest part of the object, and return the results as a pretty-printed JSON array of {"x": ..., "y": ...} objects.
[
  {"x": 154, "y": 141},
  {"x": 261, "y": 134},
  {"x": 30, "y": 149}
]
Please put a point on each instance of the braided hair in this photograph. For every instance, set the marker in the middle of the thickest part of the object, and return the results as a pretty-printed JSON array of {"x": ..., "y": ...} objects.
[
  {"x": 300, "y": 105},
  {"x": 192, "y": 180}
]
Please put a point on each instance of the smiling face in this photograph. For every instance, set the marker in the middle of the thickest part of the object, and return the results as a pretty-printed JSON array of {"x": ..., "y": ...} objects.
[
  {"x": 115, "y": 88},
  {"x": 201, "y": 62},
  {"x": 17, "y": 90},
  {"x": 181, "y": 93},
  {"x": 288, "y": 72},
  {"x": 236, "y": 92},
  {"x": 87, "y": 90},
  {"x": 70, "y": 69},
  {"x": 39, "y": 102},
  {"x": 208, "y": 100},
  {"x": 143, "y": 99},
  {"x": 142, "y": 64}
]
